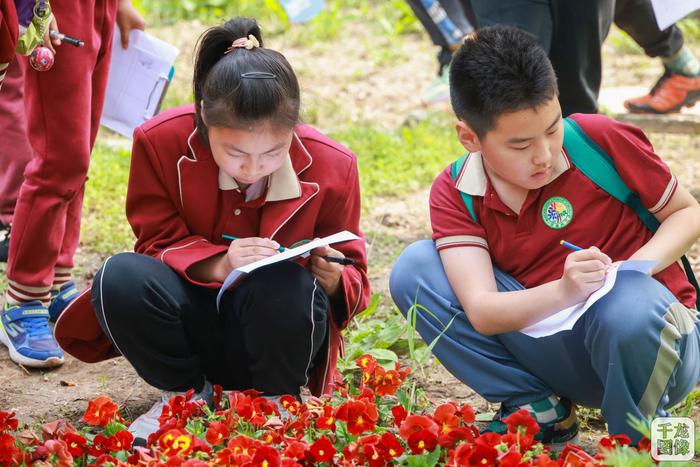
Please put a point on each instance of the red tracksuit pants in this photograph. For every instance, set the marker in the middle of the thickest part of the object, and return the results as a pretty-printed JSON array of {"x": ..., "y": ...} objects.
[
  {"x": 15, "y": 150},
  {"x": 63, "y": 108}
]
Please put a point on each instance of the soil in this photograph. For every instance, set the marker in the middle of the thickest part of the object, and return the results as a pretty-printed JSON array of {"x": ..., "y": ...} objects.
[{"x": 338, "y": 77}]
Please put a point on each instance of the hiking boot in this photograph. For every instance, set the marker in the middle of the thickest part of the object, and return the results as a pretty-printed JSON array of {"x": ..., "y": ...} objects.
[
  {"x": 438, "y": 90},
  {"x": 4, "y": 242},
  {"x": 670, "y": 94},
  {"x": 61, "y": 298},
  {"x": 24, "y": 329},
  {"x": 556, "y": 434},
  {"x": 148, "y": 423}
]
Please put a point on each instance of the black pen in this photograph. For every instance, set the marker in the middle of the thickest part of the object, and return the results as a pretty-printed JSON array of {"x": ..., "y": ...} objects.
[
  {"x": 335, "y": 259},
  {"x": 66, "y": 38}
]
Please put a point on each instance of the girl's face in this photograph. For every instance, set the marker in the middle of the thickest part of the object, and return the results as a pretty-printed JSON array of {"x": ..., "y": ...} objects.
[{"x": 250, "y": 154}]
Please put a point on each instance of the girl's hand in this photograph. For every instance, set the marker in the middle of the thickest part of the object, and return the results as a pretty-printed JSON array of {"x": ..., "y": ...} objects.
[
  {"x": 584, "y": 273},
  {"x": 128, "y": 18},
  {"x": 328, "y": 274},
  {"x": 244, "y": 251}
]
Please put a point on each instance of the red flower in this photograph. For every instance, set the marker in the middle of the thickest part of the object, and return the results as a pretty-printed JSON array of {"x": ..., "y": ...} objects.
[
  {"x": 242, "y": 444},
  {"x": 8, "y": 422},
  {"x": 543, "y": 460},
  {"x": 522, "y": 422},
  {"x": 99, "y": 446},
  {"x": 467, "y": 413},
  {"x": 121, "y": 441},
  {"x": 512, "y": 459},
  {"x": 266, "y": 456},
  {"x": 104, "y": 459},
  {"x": 76, "y": 444},
  {"x": 323, "y": 450},
  {"x": 607, "y": 443},
  {"x": 445, "y": 417},
  {"x": 175, "y": 443},
  {"x": 56, "y": 429},
  {"x": 100, "y": 411},
  {"x": 420, "y": 441},
  {"x": 644, "y": 444},
  {"x": 291, "y": 404},
  {"x": 326, "y": 421},
  {"x": 58, "y": 453},
  {"x": 460, "y": 433},
  {"x": 399, "y": 414},
  {"x": 414, "y": 423},
  {"x": 217, "y": 433},
  {"x": 359, "y": 415},
  {"x": 391, "y": 445},
  {"x": 296, "y": 450},
  {"x": 374, "y": 456},
  {"x": 9, "y": 453},
  {"x": 483, "y": 455}
]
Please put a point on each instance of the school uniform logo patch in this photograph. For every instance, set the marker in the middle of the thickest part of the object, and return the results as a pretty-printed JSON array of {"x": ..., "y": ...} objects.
[{"x": 557, "y": 212}]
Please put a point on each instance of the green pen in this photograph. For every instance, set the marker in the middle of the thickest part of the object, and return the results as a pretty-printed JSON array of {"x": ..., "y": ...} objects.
[{"x": 232, "y": 238}]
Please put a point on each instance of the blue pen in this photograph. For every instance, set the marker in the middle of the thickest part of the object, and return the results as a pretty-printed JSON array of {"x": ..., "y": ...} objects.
[
  {"x": 570, "y": 245},
  {"x": 232, "y": 238}
]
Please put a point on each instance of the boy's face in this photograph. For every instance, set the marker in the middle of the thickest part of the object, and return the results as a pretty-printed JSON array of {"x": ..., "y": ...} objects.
[{"x": 521, "y": 149}]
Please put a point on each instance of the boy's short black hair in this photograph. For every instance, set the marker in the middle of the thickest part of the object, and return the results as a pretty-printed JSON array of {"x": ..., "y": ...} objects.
[{"x": 498, "y": 70}]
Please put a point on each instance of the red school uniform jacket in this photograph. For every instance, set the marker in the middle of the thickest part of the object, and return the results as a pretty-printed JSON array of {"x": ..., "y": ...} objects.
[{"x": 172, "y": 208}]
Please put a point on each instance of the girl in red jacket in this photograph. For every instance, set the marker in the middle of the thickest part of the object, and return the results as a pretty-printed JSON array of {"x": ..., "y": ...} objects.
[{"x": 239, "y": 164}]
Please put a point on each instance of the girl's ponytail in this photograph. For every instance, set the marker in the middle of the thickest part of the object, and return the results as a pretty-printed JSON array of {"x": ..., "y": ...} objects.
[{"x": 237, "y": 85}]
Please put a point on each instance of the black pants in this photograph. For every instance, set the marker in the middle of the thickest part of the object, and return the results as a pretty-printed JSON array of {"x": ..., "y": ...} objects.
[
  {"x": 571, "y": 31},
  {"x": 266, "y": 336}
]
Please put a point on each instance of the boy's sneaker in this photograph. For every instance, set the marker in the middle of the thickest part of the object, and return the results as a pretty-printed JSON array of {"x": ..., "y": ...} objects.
[
  {"x": 148, "y": 423},
  {"x": 438, "y": 90},
  {"x": 4, "y": 242},
  {"x": 556, "y": 434},
  {"x": 61, "y": 298},
  {"x": 670, "y": 94},
  {"x": 24, "y": 329}
]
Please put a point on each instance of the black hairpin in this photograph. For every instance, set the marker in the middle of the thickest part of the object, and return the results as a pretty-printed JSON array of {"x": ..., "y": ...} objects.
[{"x": 258, "y": 75}]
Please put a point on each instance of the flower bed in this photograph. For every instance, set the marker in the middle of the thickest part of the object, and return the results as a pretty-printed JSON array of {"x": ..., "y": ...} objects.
[{"x": 375, "y": 424}]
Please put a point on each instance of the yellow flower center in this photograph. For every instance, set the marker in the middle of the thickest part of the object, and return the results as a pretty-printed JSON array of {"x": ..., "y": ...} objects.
[
  {"x": 421, "y": 444},
  {"x": 320, "y": 452},
  {"x": 359, "y": 421}
]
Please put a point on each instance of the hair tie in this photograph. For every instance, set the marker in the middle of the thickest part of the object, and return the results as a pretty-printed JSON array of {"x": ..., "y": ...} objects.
[{"x": 248, "y": 43}]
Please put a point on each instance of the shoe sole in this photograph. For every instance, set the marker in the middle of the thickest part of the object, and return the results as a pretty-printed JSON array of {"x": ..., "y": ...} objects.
[{"x": 26, "y": 361}]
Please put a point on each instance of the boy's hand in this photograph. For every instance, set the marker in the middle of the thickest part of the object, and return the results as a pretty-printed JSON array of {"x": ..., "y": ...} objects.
[
  {"x": 244, "y": 251},
  {"x": 584, "y": 273},
  {"x": 128, "y": 18},
  {"x": 328, "y": 274}
]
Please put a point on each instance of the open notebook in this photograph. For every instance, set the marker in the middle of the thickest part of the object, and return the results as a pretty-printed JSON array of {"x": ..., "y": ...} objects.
[
  {"x": 291, "y": 253},
  {"x": 564, "y": 320}
]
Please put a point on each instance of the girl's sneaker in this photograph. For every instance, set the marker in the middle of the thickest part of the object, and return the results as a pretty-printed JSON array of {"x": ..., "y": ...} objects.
[
  {"x": 61, "y": 298},
  {"x": 24, "y": 329}
]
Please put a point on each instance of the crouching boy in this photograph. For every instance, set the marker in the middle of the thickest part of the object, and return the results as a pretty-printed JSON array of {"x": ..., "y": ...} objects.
[{"x": 496, "y": 262}]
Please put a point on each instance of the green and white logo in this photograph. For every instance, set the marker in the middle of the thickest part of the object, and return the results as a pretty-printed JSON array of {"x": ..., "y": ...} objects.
[{"x": 557, "y": 212}]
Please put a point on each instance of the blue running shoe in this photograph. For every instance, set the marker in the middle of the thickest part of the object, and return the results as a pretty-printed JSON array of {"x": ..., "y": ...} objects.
[
  {"x": 24, "y": 329},
  {"x": 61, "y": 298}
]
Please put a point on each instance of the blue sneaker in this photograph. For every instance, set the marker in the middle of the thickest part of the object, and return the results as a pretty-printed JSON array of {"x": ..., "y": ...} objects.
[
  {"x": 24, "y": 329},
  {"x": 61, "y": 298}
]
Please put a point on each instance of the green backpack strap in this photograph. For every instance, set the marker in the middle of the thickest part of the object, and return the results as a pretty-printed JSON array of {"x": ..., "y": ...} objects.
[
  {"x": 467, "y": 198},
  {"x": 601, "y": 170},
  {"x": 597, "y": 165}
]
